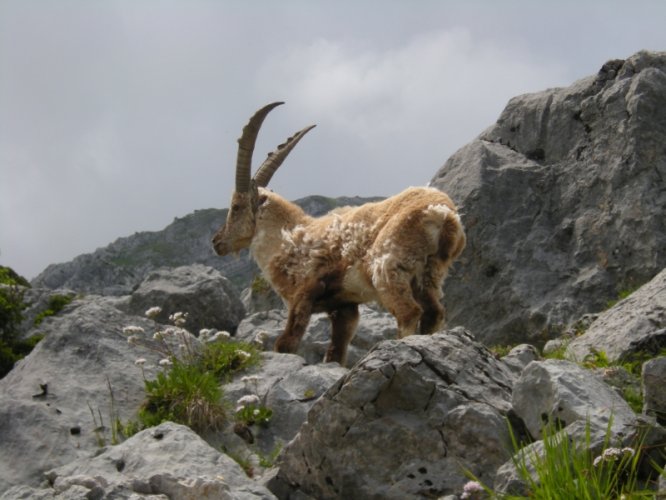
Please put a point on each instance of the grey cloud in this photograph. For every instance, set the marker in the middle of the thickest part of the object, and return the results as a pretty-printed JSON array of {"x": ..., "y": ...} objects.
[{"x": 117, "y": 116}]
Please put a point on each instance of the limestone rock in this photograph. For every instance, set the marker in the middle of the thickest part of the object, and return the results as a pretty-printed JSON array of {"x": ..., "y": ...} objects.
[
  {"x": 520, "y": 356},
  {"x": 54, "y": 399},
  {"x": 167, "y": 461},
  {"x": 260, "y": 297},
  {"x": 561, "y": 392},
  {"x": 654, "y": 381},
  {"x": 563, "y": 202},
  {"x": 202, "y": 292},
  {"x": 404, "y": 422},
  {"x": 636, "y": 324}
]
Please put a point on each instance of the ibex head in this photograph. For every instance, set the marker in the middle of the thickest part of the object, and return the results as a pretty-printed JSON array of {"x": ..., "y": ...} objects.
[{"x": 238, "y": 231}]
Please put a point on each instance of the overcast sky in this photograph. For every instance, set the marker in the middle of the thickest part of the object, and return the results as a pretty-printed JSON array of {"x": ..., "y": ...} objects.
[{"x": 117, "y": 116}]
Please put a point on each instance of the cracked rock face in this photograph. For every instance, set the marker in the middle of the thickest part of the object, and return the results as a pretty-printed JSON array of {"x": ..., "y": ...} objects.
[
  {"x": 635, "y": 325},
  {"x": 404, "y": 422},
  {"x": 563, "y": 203},
  {"x": 167, "y": 461}
]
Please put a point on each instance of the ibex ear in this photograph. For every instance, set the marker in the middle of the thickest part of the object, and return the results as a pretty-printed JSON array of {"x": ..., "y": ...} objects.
[{"x": 262, "y": 199}]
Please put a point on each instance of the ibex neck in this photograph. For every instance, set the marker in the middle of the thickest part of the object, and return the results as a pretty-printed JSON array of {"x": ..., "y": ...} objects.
[{"x": 274, "y": 216}]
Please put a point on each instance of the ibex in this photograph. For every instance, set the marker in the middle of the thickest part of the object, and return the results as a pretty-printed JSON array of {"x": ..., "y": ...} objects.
[{"x": 396, "y": 251}]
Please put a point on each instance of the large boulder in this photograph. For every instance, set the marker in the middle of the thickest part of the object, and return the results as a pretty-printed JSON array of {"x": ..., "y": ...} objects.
[
  {"x": 167, "y": 461},
  {"x": 635, "y": 325},
  {"x": 208, "y": 297},
  {"x": 57, "y": 404},
  {"x": 404, "y": 423},
  {"x": 561, "y": 392},
  {"x": 563, "y": 202}
]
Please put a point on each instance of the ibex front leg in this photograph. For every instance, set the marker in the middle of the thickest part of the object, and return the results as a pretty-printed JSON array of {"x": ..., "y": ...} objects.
[
  {"x": 343, "y": 325},
  {"x": 300, "y": 310}
]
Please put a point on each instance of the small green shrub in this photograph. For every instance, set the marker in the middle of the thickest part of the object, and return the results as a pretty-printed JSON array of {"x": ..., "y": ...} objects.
[
  {"x": 634, "y": 398},
  {"x": 267, "y": 460},
  {"x": 634, "y": 362},
  {"x": 568, "y": 470},
  {"x": 501, "y": 350},
  {"x": 10, "y": 277},
  {"x": 596, "y": 359},
  {"x": 56, "y": 304},
  {"x": 12, "y": 304},
  {"x": 565, "y": 469},
  {"x": 223, "y": 359},
  {"x": 621, "y": 295},
  {"x": 186, "y": 394},
  {"x": 187, "y": 388},
  {"x": 254, "y": 414}
]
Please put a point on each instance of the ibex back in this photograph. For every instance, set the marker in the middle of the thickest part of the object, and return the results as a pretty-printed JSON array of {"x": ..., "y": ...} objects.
[{"x": 396, "y": 252}]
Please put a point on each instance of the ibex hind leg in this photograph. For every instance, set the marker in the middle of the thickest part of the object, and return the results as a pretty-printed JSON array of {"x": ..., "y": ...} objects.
[
  {"x": 429, "y": 296},
  {"x": 433, "y": 311},
  {"x": 398, "y": 299},
  {"x": 344, "y": 321}
]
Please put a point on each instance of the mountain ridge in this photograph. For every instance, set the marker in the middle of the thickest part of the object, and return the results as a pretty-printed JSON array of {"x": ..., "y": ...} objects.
[{"x": 120, "y": 266}]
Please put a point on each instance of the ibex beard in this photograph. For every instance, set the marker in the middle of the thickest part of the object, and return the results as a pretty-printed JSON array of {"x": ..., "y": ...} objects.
[{"x": 396, "y": 252}]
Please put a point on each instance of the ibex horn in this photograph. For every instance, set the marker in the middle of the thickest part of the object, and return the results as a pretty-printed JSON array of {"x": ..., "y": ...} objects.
[
  {"x": 275, "y": 159},
  {"x": 246, "y": 147}
]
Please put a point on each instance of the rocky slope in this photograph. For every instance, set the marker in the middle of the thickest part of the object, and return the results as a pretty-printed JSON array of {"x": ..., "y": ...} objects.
[
  {"x": 405, "y": 422},
  {"x": 563, "y": 200},
  {"x": 120, "y": 266}
]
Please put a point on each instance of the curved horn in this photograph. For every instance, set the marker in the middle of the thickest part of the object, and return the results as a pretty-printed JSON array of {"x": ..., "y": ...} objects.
[
  {"x": 246, "y": 147},
  {"x": 275, "y": 159}
]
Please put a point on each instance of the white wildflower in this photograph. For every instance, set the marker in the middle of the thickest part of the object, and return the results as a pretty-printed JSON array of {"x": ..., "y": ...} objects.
[
  {"x": 178, "y": 318},
  {"x": 243, "y": 354},
  {"x": 262, "y": 336},
  {"x": 239, "y": 408},
  {"x": 256, "y": 412},
  {"x": 153, "y": 312},
  {"x": 140, "y": 362},
  {"x": 612, "y": 455},
  {"x": 166, "y": 362},
  {"x": 250, "y": 399},
  {"x": 471, "y": 488},
  {"x": 133, "y": 330},
  {"x": 174, "y": 332},
  {"x": 221, "y": 336},
  {"x": 158, "y": 335},
  {"x": 132, "y": 340},
  {"x": 251, "y": 379},
  {"x": 205, "y": 333}
]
